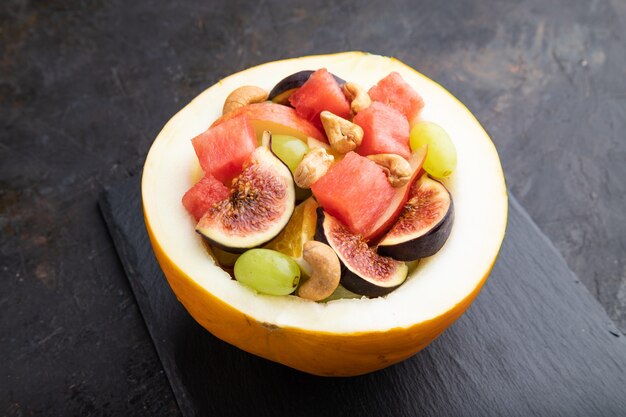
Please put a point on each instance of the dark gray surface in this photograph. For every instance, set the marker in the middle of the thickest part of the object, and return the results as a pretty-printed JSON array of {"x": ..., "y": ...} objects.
[
  {"x": 85, "y": 86},
  {"x": 534, "y": 343}
]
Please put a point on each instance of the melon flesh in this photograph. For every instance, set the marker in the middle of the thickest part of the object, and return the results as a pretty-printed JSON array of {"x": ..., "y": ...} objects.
[
  {"x": 201, "y": 197},
  {"x": 385, "y": 130},
  {"x": 356, "y": 191},
  {"x": 223, "y": 149},
  {"x": 397, "y": 93},
  {"x": 347, "y": 336}
]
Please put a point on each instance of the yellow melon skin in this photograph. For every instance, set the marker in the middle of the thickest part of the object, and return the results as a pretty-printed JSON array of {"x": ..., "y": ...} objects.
[
  {"x": 317, "y": 353},
  {"x": 442, "y": 286}
]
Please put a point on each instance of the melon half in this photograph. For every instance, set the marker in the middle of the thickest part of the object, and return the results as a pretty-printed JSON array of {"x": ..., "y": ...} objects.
[{"x": 347, "y": 336}]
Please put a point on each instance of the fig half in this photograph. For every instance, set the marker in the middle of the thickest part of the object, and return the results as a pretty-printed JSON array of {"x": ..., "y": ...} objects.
[
  {"x": 363, "y": 270},
  {"x": 284, "y": 88},
  {"x": 260, "y": 204},
  {"x": 424, "y": 223}
]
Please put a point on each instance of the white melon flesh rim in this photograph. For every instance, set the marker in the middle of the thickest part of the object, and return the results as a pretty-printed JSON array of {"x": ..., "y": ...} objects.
[{"x": 439, "y": 282}]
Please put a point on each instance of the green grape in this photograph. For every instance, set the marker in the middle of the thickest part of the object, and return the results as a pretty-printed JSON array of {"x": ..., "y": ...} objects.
[
  {"x": 441, "y": 157},
  {"x": 289, "y": 149},
  {"x": 267, "y": 271}
]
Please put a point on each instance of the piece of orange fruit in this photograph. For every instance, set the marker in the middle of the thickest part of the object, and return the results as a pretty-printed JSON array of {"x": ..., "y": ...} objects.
[{"x": 300, "y": 229}]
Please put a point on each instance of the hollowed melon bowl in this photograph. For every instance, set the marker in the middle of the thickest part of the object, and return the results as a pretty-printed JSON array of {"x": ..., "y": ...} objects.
[{"x": 343, "y": 337}]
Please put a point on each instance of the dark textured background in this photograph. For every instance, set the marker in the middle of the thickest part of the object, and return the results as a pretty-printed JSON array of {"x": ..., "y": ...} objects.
[{"x": 85, "y": 86}]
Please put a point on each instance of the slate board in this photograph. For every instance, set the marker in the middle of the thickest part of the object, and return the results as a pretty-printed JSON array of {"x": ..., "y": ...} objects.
[{"x": 535, "y": 342}]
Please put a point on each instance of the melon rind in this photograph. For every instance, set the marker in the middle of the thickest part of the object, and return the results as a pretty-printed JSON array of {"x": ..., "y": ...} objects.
[{"x": 348, "y": 336}]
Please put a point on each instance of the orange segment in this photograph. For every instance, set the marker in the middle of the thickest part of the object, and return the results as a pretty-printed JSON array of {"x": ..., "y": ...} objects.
[{"x": 300, "y": 229}]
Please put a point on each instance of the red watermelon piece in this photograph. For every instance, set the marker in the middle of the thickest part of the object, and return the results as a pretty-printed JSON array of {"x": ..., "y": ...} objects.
[
  {"x": 320, "y": 92},
  {"x": 223, "y": 149},
  {"x": 385, "y": 130},
  {"x": 201, "y": 197},
  {"x": 277, "y": 118},
  {"x": 397, "y": 93},
  {"x": 356, "y": 191}
]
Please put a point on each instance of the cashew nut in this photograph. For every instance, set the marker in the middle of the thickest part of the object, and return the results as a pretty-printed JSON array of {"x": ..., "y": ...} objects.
[
  {"x": 358, "y": 97},
  {"x": 343, "y": 135},
  {"x": 326, "y": 271},
  {"x": 397, "y": 169},
  {"x": 243, "y": 96},
  {"x": 312, "y": 167}
]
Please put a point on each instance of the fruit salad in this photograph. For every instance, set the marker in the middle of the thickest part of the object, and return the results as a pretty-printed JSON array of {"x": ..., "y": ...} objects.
[{"x": 334, "y": 198}]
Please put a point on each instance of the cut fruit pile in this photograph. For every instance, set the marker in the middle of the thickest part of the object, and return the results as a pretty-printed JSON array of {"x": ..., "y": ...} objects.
[{"x": 368, "y": 172}]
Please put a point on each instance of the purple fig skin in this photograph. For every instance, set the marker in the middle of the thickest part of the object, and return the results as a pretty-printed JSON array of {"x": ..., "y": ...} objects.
[
  {"x": 290, "y": 82},
  {"x": 422, "y": 246},
  {"x": 350, "y": 279},
  {"x": 294, "y": 81},
  {"x": 426, "y": 244},
  {"x": 352, "y": 282}
]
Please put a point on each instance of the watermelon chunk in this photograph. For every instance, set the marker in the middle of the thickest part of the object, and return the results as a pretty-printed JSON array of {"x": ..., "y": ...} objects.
[
  {"x": 320, "y": 92},
  {"x": 277, "y": 118},
  {"x": 385, "y": 130},
  {"x": 356, "y": 191},
  {"x": 201, "y": 197},
  {"x": 397, "y": 93},
  {"x": 223, "y": 149}
]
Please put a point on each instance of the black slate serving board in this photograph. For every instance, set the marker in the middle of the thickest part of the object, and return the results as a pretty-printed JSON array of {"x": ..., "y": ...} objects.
[{"x": 535, "y": 342}]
